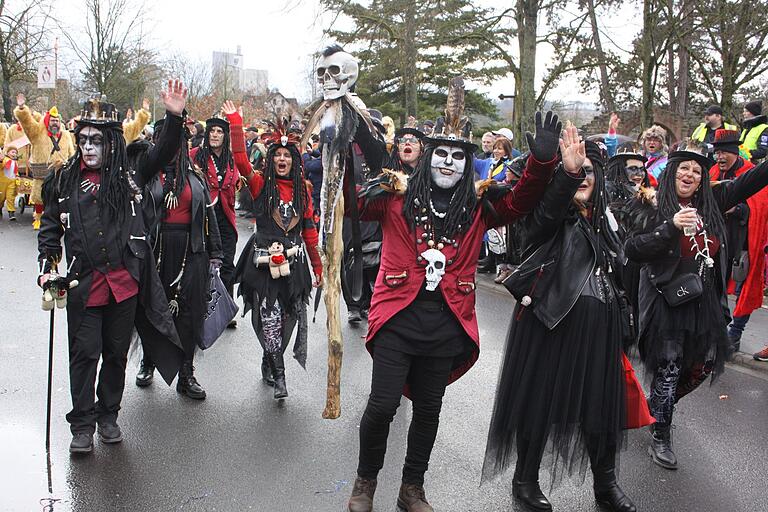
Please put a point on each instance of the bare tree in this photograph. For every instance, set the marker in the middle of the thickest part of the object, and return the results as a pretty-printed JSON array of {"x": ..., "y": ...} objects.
[
  {"x": 22, "y": 42},
  {"x": 114, "y": 59}
]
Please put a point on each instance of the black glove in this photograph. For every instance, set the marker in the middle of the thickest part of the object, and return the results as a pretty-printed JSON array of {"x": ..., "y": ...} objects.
[{"x": 544, "y": 145}]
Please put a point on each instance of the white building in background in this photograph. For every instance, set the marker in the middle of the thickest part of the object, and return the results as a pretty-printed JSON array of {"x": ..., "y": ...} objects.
[{"x": 229, "y": 73}]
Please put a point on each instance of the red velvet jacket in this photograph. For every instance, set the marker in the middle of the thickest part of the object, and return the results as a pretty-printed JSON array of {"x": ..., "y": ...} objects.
[
  {"x": 401, "y": 277},
  {"x": 231, "y": 182}
]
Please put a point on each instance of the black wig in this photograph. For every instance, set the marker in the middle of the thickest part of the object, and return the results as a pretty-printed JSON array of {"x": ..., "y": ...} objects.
[
  {"x": 417, "y": 197},
  {"x": 176, "y": 174},
  {"x": 703, "y": 199},
  {"x": 114, "y": 192},
  {"x": 269, "y": 199},
  {"x": 205, "y": 151}
]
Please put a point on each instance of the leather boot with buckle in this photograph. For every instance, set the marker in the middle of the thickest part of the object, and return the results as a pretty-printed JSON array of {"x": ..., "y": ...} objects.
[
  {"x": 187, "y": 383},
  {"x": 278, "y": 372},
  {"x": 413, "y": 499},
  {"x": 661, "y": 446},
  {"x": 362, "y": 495}
]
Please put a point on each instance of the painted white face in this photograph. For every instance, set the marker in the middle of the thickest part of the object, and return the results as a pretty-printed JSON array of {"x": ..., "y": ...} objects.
[
  {"x": 447, "y": 166},
  {"x": 337, "y": 74},
  {"x": 91, "y": 143}
]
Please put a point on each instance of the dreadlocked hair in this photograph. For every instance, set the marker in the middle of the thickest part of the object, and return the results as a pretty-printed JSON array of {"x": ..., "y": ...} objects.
[
  {"x": 703, "y": 200},
  {"x": 205, "y": 151},
  {"x": 176, "y": 176},
  {"x": 270, "y": 196},
  {"x": 607, "y": 238},
  {"x": 615, "y": 173},
  {"x": 114, "y": 192},
  {"x": 418, "y": 195}
]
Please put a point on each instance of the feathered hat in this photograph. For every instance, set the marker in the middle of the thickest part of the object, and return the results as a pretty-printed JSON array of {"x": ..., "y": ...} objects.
[
  {"x": 454, "y": 129},
  {"x": 280, "y": 134},
  {"x": 99, "y": 114},
  {"x": 657, "y": 132},
  {"x": 628, "y": 151},
  {"x": 690, "y": 150}
]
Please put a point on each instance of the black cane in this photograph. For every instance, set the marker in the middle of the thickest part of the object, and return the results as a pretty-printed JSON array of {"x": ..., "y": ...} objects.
[{"x": 48, "y": 405}]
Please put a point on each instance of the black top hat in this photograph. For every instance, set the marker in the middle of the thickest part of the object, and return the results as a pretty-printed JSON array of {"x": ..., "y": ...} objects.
[
  {"x": 630, "y": 152},
  {"x": 217, "y": 121},
  {"x": 690, "y": 150},
  {"x": 99, "y": 114},
  {"x": 726, "y": 140}
]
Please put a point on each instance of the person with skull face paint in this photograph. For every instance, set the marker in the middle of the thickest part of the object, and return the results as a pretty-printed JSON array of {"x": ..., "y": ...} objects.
[
  {"x": 94, "y": 204},
  {"x": 284, "y": 219},
  {"x": 223, "y": 158},
  {"x": 185, "y": 238},
  {"x": 679, "y": 238},
  {"x": 423, "y": 330},
  {"x": 563, "y": 379}
]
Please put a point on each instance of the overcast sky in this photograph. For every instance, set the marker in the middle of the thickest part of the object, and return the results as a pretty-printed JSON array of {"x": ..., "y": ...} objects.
[{"x": 276, "y": 35}]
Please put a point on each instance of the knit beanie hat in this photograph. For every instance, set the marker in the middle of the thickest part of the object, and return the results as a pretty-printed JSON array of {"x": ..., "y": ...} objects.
[{"x": 754, "y": 107}]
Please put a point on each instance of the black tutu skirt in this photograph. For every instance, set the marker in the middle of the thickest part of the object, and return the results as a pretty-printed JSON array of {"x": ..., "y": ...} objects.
[
  {"x": 558, "y": 390},
  {"x": 172, "y": 252},
  {"x": 256, "y": 283},
  {"x": 694, "y": 333}
]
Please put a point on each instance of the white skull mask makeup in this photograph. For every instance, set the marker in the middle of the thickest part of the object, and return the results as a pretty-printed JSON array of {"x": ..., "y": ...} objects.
[
  {"x": 91, "y": 143},
  {"x": 435, "y": 267},
  {"x": 337, "y": 74},
  {"x": 447, "y": 166}
]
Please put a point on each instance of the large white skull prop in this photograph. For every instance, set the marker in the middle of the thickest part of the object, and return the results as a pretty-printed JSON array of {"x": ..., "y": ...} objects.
[
  {"x": 435, "y": 267},
  {"x": 337, "y": 73},
  {"x": 447, "y": 166}
]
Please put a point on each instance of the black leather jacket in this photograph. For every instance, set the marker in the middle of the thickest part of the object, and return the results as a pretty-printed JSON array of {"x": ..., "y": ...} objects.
[
  {"x": 204, "y": 230},
  {"x": 560, "y": 256},
  {"x": 654, "y": 241}
]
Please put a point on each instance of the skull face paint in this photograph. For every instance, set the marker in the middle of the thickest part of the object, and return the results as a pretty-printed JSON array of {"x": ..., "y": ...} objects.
[
  {"x": 337, "y": 74},
  {"x": 447, "y": 166},
  {"x": 435, "y": 268},
  {"x": 91, "y": 143}
]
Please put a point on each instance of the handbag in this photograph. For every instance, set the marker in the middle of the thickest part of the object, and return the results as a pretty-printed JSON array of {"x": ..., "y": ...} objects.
[
  {"x": 371, "y": 254},
  {"x": 740, "y": 267},
  {"x": 219, "y": 311},
  {"x": 682, "y": 289}
]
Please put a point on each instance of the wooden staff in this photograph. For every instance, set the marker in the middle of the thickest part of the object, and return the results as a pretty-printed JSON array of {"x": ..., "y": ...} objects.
[{"x": 332, "y": 262}]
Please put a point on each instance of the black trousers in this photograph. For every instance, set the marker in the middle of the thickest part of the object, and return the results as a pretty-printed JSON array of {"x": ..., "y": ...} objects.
[
  {"x": 228, "y": 245},
  {"x": 427, "y": 377},
  {"x": 104, "y": 332}
]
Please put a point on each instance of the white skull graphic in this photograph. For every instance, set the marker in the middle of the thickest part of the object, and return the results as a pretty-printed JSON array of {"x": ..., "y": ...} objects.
[
  {"x": 435, "y": 267},
  {"x": 337, "y": 73}
]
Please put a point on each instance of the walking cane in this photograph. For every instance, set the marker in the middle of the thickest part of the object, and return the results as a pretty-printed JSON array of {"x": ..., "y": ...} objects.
[{"x": 48, "y": 403}]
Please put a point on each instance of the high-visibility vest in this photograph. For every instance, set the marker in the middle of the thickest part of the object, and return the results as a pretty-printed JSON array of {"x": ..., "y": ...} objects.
[
  {"x": 701, "y": 131},
  {"x": 749, "y": 138}
]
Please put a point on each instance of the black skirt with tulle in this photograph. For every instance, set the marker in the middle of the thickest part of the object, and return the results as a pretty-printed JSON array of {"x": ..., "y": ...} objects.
[{"x": 557, "y": 389}]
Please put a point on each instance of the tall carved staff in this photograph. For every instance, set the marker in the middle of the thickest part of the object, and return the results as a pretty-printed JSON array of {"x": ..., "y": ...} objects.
[{"x": 338, "y": 118}]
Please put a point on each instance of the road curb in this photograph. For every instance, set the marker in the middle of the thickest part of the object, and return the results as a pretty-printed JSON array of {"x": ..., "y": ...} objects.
[{"x": 740, "y": 359}]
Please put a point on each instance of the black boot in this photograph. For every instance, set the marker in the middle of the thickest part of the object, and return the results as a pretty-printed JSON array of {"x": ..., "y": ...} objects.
[
  {"x": 146, "y": 373},
  {"x": 187, "y": 383},
  {"x": 266, "y": 371},
  {"x": 529, "y": 493},
  {"x": 661, "y": 446},
  {"x": 277, "y": 365},
  {"x": 608, "y": 493}
]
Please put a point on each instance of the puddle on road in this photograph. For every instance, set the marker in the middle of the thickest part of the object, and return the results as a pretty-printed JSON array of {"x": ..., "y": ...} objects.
[{"x": 24, "y": 467}]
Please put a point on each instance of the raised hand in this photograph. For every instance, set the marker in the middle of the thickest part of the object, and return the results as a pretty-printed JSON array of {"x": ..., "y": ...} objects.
[
  {"x": 572, "y": 150},
  {"x": 228, "y": 108},
  {"x": 20, "y": 99},
  {"x": 175, "y": 98},
  {"x": 543, "y": 145}
]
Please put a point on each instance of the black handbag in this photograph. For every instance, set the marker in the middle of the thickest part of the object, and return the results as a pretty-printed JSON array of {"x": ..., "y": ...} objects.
[{"x": 682, "y": 289}]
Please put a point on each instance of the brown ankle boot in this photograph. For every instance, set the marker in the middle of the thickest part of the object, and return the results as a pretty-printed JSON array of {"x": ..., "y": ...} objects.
[
  {"x": 412, "y": 499},
  {"x": 362, "y": 495}
]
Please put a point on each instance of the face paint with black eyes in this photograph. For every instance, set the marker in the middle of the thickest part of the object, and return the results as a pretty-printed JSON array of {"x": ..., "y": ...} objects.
[
  {"x": 447, "y": 166},
  {"x": 91, "y": 143}
]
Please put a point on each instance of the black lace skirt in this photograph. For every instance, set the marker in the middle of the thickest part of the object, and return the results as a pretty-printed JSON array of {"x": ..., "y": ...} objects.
[{"x": 557, "y": 388}]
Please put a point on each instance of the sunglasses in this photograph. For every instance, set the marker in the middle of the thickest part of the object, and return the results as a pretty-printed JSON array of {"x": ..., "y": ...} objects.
[
  {"x": 456, "y": 155},
  {"x": 408, "y": 140}
]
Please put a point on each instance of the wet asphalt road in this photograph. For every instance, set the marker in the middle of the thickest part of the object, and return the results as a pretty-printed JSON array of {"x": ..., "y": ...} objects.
[{"x": 239, "y": 450}]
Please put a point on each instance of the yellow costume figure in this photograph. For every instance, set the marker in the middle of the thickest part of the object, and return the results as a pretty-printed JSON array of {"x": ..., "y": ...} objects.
[
  {"x": 50, "y": 151},
  {"x": 133, "y": 128},
  {"x": 3, "y": 131},
  {"x": 8, "y": 180}
]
